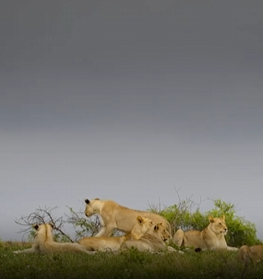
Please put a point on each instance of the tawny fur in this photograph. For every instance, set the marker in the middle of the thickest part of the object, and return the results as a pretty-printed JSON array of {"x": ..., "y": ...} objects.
[
  {"x": 104, "y": 243},
  {"x": 250, "y": 253},
  {"x": 210, "y": 238},
  {"x": 115, "y": 216},
  {"x": 152, "y": 241},
  {"x": 44, "y": 243}
]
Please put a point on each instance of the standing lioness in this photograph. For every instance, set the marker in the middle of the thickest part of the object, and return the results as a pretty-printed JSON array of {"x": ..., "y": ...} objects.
[{"x": 115, "y": 216}]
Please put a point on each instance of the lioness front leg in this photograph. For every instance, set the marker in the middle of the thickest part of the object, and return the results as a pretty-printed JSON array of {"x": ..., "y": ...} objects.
[
  {"x": 229, "y": 248},
  {"x": 105, "y": 231},
  {"x": 101, "y": 232}
]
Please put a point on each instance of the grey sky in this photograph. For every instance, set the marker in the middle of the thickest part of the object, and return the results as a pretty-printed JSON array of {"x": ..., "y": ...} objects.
[{"x": 130, "y": 100}]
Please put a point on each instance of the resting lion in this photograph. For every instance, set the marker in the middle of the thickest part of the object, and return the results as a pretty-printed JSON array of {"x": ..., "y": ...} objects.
[
  {"x": 44, "y": 243},
  {"x": 103, "y": 243},
  {"x": 248, "y": 253},
  {"x": 152, "y": 241},
  {"x": 210, "y": 238},
  {"x": 115, "y": 216}
]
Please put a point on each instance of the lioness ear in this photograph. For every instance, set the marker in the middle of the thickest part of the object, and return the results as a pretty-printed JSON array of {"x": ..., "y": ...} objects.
[
  {"x": 139, "y": 219},
  {"x": 223, "y": 217},
  {"x": 211, "y": 219},
  {"x": 36, "y": 226},
  {"x": 97, "y": 199},
  {"x": 87, "y": 201}
]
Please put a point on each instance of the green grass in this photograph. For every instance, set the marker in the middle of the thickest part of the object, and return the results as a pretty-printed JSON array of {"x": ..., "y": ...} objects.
[{"x": 130, "y": 264}]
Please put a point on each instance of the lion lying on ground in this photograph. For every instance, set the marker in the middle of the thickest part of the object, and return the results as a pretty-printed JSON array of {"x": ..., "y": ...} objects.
[
  {"x": 115, "y": 216},
  {"x": 103, "y": 243},
  {"x": 211, "y": 238},
  {"x": 152, "y": 241},
  {"x": 44, "y": 243},
  {"x": 248, "y": 253}
]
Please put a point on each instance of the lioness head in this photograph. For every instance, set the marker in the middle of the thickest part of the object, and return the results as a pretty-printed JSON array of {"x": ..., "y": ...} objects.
[
  {"x": 145, "y": 222},
  {"x": 90, "y": 209},
  {"x": 218, "y": 225},
  {"x": 141, "y": 227},
  {"x": 42, "y": 229},
  {"x": 161, "y": 230}
]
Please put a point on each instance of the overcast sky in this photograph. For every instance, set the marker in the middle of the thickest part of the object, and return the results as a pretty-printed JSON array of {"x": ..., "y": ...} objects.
[{"x": 131, "y": 101}]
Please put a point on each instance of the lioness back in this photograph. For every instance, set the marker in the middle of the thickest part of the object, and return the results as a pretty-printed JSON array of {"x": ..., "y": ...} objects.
[
  {"x": 116, "y": 216},
  {"x": 194, "y": 239},
  {"x": 256, "y": 252},
  {"x": 103, "y": 243}
]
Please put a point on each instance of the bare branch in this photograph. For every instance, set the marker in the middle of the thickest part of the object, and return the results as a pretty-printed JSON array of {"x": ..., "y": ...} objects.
[
  {"x": 83, "y": 226},
  {"x": 40, "y": 216}
]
